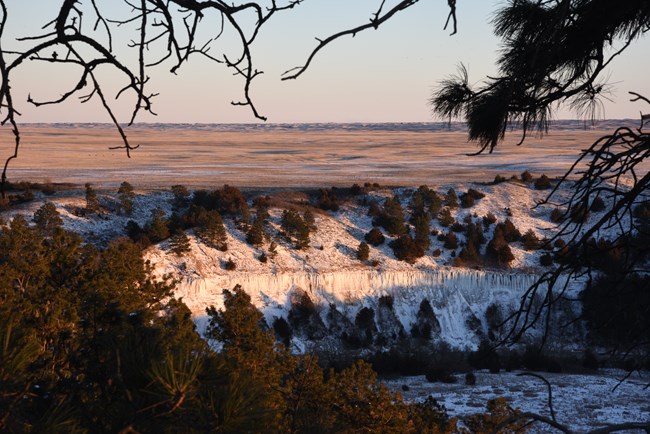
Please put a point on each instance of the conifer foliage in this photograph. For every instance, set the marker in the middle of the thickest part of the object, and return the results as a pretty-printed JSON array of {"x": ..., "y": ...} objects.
[
  {"x": 296, "y": 229},
  {"x": 92, "y": 202},
  {"x": 126, "y": 195}
]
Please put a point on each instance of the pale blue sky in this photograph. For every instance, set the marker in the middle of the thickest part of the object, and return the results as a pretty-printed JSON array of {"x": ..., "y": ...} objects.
[{"x": 378, "y": 76}]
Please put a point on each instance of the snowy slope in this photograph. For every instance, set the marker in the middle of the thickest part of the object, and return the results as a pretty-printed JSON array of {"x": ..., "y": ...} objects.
[{"x": 328, "y": 271}]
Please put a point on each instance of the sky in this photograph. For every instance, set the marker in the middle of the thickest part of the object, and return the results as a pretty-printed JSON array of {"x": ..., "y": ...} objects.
[{"x": 385, "y": 75}]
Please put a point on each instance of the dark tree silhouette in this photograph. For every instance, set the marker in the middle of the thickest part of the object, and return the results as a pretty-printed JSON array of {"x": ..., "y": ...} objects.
[{"x": 557, "y": 52}]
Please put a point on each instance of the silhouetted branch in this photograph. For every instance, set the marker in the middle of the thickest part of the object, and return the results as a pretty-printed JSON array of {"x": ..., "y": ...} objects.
[{"x": 377, "y": 20}]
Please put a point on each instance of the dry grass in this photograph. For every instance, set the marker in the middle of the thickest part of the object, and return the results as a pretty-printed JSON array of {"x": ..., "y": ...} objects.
[{"x": 277, "y": 158}]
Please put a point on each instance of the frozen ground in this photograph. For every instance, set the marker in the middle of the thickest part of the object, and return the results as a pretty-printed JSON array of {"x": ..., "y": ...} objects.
[
  {"x": 282, "y": 155},
  {"x": 581, "y": 402}
]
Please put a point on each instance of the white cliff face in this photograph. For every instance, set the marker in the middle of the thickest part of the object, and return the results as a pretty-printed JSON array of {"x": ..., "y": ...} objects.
[
  {"x": 329, "y": 272},
  {"x": 454, "y": 293}
]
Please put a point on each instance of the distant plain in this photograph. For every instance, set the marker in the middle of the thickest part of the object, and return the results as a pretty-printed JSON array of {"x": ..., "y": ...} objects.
[{"x": 281, "y": 156}]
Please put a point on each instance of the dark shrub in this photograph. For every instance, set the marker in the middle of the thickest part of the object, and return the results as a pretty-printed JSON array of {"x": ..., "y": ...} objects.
[
  {"x": 156, "y": 228},
  {"x": 498, "y": 250},
  {"x": 616, "y": 309},
  {"x": 230, "y": 265},
  {"x": 386, "y": 301},
  {"x": 310, "y": 219},
  {"x": 526, "y": 176},
  {"x": 451, "y": 198},
  {"x": 470, "y": 378},
  {"x": 509, "y": 231},
  {"x": 255, "y": 235},
  {"x": 467, "y": 201},
  {"x": 489, "y": 219},
  {"x": 469, "y": 254},
  {"x": 451, "y": 241},
  {"x": 499, "y": 179},
  {"x": 375, "y": 237},
  {"x": 546, "y": 260},
  {"x": 597, "y": 205},
  {"x": 363, "y": 251},
  {"x": 48, "y": 219},
  {"x": 406, "y": 249},
  {"x": 438, "y": 374},
  {"x": 436, "y": 253},
  {"x": 477, "y": 195},
  {"x": 227, "y": 201},
  {"x": 494, "y": 318},
  {"x": 530, "y": 240},
  {"x": 422, "y": 230},
  {"x": 328, "y": 200},
  {"x": 374, "y": 210},
  {"x": 533, "y": 359},
  {"x": 642, "y": 211},
  {"x": 392, "y": 217},
  {"x": 485, "y": 357},
  {"x": 282, "y": 331},
  {"x": 263, "y": 258},
  {"x": 543, "y": 183},
  {"x": 458, "y": 227},
  {"x": 181, "y": 196},
  {"x": 365, "y": 319},
  {"x": 179, "y": 243},
  {"x": 445, "y": 218},
  {"x": 557, "y": 215},
  {"x": 296, "y": 229},
  {"x": 126, "y": 196},
  {"x": 579, "y": 213},
  {"x": 475, "y": 233},
  {"x": 426, "y": 323}
]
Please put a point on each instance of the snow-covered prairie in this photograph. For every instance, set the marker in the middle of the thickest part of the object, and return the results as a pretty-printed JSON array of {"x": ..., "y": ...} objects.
[
  {"x": 284, "y": 155},
  {"x": 581, "y": 402}
]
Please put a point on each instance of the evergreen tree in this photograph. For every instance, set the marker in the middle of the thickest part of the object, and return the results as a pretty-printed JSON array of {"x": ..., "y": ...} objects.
[
  {"x": 126, "y": 196},
  {"x": 211, "y": 230},
  {"x": 181, "y": 196},
  {"x": 255, "y": 235},
  {"x": 310, "y": 220},
  {"x": 375, "y": 237},
  {"x": 92, "y": 203},
  {"x": 250, "y": 351},
  {"x": 530, "y": 240},
  {"x": 445, "y": 218},
  {"x": 262, "y": 213},
  {"x": 435, "y": 204},
  {"x": 392, "y": 217},
  {"x": 363, "y": 251},
  {"x": 498, "y": 249},
  {"x": 422, "y": 231},
  {"x": 469, "y": 254},
  {"x": 295, "y": 228},
  {"x": 450, "y": 241},
  {"x": 451, "y": 198},
  {"x": 179, "y": 243},
  {"x": 417, "y": 202},
  {"x": 156, "y": 228},
  {"x": 406, "y": 249},
  {"x": 48, "y": 219}
]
